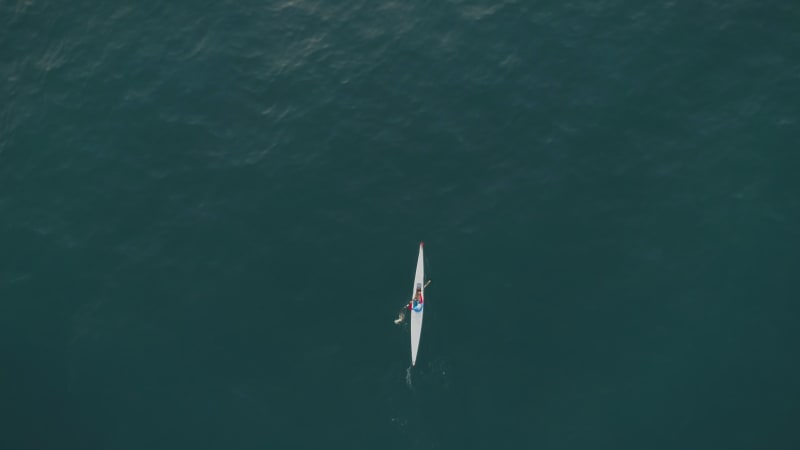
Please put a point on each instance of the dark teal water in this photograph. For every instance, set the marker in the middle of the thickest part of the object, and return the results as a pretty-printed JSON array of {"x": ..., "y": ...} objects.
[{"x": 210, "y": 214}]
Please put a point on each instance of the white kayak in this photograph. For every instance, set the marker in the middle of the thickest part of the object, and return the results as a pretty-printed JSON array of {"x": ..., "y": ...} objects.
[{"x": 417, "y": 306}]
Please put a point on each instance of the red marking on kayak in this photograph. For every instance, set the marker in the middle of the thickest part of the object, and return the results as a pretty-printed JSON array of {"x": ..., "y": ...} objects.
[{"x": 421, "y": 244}]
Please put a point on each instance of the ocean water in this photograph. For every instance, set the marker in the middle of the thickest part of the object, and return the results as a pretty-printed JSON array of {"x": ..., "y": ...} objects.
[{"x": 210, "y": 211}]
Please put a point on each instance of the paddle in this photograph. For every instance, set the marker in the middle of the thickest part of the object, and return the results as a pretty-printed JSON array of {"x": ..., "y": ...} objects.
[
  {"x": 403, "y": 308},
  {"x": 423, "y": 287}
]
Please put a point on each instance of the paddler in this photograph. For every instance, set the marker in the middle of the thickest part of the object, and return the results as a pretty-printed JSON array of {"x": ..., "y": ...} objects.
[{"x": 416, "y": 300}]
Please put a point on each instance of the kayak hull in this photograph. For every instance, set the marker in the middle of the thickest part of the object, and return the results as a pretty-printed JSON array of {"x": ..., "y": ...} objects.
[{"x": 417, "y": 311}]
